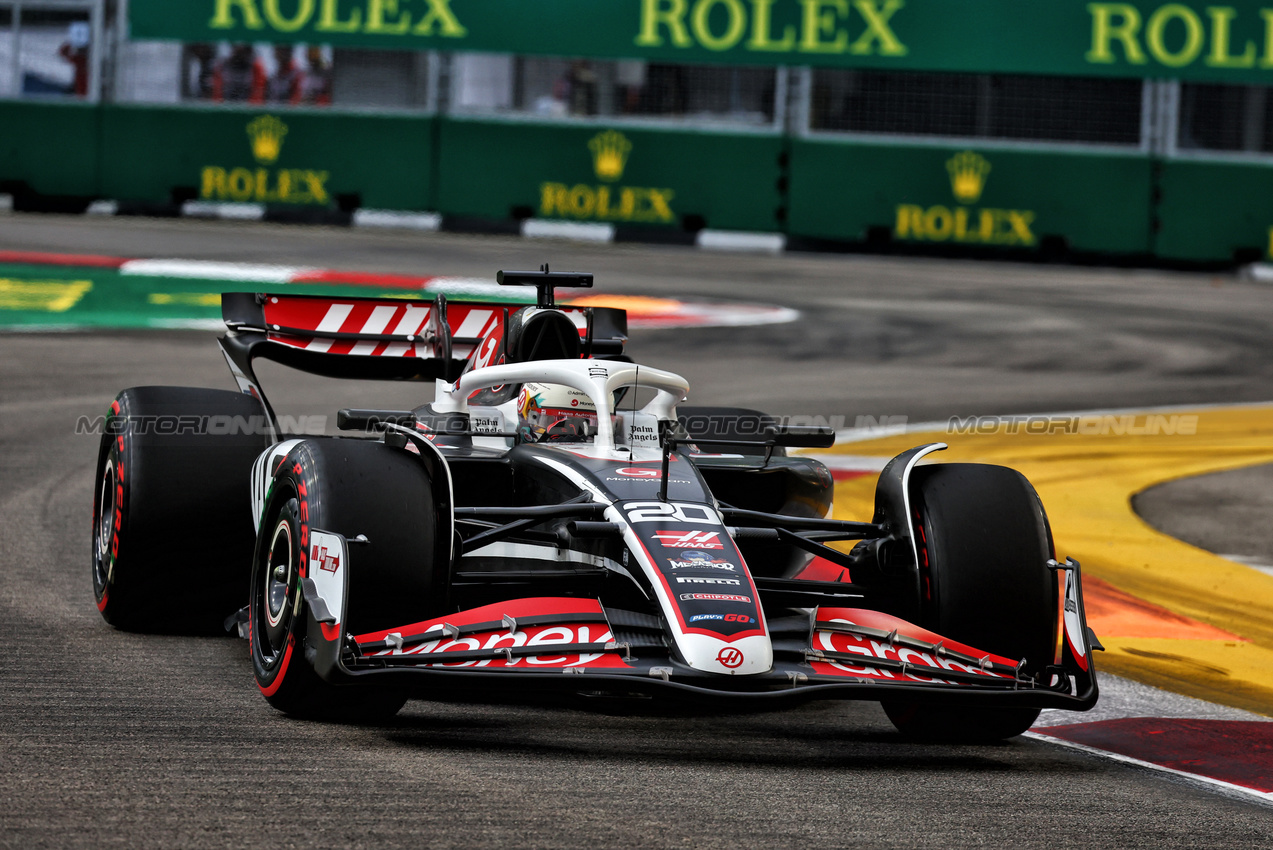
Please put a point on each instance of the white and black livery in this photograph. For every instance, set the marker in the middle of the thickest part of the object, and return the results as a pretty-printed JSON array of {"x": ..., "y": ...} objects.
[{"x": 557, "y": 517}]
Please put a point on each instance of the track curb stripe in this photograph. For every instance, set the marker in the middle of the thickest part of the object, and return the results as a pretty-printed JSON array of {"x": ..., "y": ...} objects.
[
  {"x": 1086, "y": 481},
  {"x": 178, "y": 293},
  {"x": 45, "y": 258},
  {"x": 1248, "y": 793}
]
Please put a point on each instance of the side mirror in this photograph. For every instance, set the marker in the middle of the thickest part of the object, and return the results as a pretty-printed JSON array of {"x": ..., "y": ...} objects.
[{"x": 801, "y": 437}]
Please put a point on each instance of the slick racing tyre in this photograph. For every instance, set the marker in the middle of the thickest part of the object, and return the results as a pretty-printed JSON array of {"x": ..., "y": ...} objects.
[
  {"x": 172, "y": 521},
  {"x": 985, "y": 541},
  {"x": 350, "y": 487}
]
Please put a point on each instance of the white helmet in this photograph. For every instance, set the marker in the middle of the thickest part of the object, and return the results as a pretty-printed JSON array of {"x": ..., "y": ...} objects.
[{"x": 555, "y": 413}]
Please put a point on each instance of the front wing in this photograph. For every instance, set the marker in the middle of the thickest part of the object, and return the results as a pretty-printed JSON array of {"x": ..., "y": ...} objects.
[{"x": 578, "y": 644}]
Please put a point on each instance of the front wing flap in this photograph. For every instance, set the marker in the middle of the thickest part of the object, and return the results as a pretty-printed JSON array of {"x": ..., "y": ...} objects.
[{"x": 847, "y": 653}]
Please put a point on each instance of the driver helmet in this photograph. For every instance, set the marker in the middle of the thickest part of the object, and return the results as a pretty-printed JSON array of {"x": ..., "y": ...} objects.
[{"x": 552, "y": 413}]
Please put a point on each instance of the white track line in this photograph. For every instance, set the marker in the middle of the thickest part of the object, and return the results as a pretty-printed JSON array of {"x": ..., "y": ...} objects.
[
  {"x": 213, "y": 270},
  {"x": 1247, "y": 793}
]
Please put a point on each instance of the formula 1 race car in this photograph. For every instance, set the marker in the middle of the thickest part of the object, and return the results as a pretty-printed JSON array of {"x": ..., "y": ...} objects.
[{"x": 556, "y": 518}]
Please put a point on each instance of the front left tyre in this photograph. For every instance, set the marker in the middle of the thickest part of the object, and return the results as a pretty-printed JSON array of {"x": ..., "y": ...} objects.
[{"x": 356, "y": 488}]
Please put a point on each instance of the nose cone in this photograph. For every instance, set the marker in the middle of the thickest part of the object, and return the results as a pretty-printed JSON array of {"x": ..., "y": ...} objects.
[{"x": 743, "y": 657}]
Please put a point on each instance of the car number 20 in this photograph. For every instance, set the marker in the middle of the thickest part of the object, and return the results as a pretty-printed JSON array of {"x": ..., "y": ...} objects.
[{"x": 670, "y": 511}]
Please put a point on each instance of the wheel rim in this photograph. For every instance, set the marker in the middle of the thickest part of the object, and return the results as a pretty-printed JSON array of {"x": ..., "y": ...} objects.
[
  {"x": 273, "y": 590},
  {"x": 104, "y": 527},
  {"x": 278, "y": 574}
]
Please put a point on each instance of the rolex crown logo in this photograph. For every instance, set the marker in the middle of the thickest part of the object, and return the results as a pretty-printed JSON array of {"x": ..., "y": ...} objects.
[
  {"x": 609, "y": 154},
  {"x": 267, "y": 134},
  {"x": 968, "y": 172}
]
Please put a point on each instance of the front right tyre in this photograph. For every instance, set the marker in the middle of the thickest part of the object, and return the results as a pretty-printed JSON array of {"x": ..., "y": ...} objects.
[{"x": 984, "y": 543}]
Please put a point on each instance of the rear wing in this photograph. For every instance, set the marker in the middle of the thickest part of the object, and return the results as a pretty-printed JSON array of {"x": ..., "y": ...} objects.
[{"x": 386, "y": 338}]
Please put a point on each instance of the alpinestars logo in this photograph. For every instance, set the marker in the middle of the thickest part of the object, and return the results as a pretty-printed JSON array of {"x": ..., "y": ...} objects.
[{"x": 689, "y": 539}]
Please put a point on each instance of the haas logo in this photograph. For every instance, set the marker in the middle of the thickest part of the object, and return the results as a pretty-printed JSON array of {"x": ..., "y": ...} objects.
[
  {"x": 730, "y": 657},
  {"x": 329, "y": 561}
]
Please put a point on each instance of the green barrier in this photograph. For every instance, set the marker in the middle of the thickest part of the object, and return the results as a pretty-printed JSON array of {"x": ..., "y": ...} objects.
[
  {"x": 1142, "y": 38},
  {"x": 257, "y": 156},
  {"x": 1215, "y": 211},
  {"x": 919, "y": 194},
  {"x": 955, "y": 196},
  {"x": 594, "y": 173},
  {"x": 54, "y": 149}
]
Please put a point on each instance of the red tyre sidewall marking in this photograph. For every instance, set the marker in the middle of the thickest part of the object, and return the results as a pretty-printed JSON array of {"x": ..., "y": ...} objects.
[
  {"x": 118, "y": 452},
  {"x": 303, "y": 519},
  {"x": 277, "y": 682}
]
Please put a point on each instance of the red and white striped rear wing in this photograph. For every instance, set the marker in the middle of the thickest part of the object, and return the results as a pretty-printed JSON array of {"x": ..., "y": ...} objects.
[
  {"x": 383, "y": 338},
  {"x": 388, "y": 339}
]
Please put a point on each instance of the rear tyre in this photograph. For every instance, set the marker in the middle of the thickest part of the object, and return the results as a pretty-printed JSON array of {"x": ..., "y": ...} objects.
[
  {"x": 172, "y": 517},
  {"x": 986, "y": 542},
  {"x": 350, "y": 487}
]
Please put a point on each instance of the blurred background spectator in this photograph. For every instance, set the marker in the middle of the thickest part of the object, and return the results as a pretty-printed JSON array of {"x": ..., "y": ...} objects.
[
  {"x": 239, "y": 77},
  {"x": 316, "y": 84},
  {"x": 76, "y": 51},
  {"x": 285, "y": 85}
]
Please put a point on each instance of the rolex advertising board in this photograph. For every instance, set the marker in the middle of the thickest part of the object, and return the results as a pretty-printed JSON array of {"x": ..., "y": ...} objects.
[
  {"x": 1225, "y": 42},
  {"x": 943, "y": 196},
  {"x": 293, "y": 158},
  {"x": 599, "y": 174}
]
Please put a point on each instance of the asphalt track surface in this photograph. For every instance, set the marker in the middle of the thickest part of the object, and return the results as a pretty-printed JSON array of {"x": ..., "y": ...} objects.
[{"x": 112, "y": 739}]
